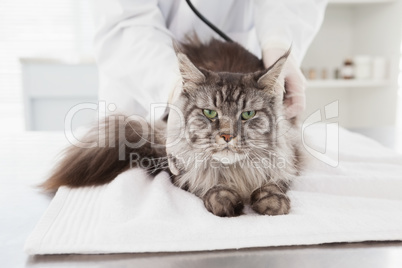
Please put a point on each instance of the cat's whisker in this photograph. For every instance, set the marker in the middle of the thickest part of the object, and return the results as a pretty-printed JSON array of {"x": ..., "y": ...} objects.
[{"x": 202, "y": 152}]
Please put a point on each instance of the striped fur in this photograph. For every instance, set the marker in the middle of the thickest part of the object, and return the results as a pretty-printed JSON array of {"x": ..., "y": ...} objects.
[
  {"x": 255, "y": 167},
  {"x": 265, "y": 149}
]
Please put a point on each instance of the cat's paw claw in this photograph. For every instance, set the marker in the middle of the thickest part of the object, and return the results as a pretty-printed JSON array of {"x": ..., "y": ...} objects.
[
  {"x": 223, "y": 202},
  {"x": 270, "y": 200}
]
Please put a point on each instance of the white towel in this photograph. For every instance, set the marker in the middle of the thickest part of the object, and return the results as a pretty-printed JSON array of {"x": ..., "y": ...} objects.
[{"x": 360, "y": 200}]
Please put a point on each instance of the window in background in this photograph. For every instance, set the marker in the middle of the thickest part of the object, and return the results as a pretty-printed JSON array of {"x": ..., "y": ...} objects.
[{"x": 60, "y": 30}]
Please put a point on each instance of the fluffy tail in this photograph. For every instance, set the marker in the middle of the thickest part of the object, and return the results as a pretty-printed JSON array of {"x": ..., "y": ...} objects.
[{"x": 117, "y": 144}]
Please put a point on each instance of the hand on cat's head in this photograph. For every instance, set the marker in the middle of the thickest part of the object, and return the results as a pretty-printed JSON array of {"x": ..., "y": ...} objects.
[{"x": 294, "y": 80}]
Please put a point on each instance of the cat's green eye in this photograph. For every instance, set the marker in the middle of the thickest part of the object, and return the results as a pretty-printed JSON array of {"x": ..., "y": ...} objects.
[
  {"x": 211, "y": 114},
  {"x": 247, "y": 115}
]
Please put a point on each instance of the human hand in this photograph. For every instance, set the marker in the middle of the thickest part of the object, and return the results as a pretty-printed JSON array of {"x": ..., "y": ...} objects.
[{"x": 295, "y": 82}]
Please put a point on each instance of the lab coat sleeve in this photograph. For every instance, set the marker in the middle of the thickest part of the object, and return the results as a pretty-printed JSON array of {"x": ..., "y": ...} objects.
[
  {"x": 136, "y": 61},
  {"x": 285, "y": 23}
]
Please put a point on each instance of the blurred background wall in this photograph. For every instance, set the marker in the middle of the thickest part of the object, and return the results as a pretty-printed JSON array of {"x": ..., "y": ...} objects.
[
  {"x": 47, "y": 65},
  {"x": 46, "y": 59}
]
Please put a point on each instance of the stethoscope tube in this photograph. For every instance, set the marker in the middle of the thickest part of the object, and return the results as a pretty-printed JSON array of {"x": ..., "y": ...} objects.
[{"x": 207, "y": 22}]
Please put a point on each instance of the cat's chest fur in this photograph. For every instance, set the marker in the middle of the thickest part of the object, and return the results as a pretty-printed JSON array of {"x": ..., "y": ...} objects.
[{"x": 243, "y": 176}]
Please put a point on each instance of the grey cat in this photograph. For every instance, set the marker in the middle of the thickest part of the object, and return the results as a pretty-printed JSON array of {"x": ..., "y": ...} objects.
[{"x": 224, "y": 139}]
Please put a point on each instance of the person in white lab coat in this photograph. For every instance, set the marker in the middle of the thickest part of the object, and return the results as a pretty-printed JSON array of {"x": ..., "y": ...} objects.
[{"x": 137, "y": 63}]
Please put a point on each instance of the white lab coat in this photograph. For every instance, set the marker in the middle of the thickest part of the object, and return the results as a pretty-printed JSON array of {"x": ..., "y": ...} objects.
[{"x": 137, "y": 64}]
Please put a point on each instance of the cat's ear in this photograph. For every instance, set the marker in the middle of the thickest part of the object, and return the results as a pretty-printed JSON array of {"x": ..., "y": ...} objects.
[
  {"x": 189, "y": 72},
  {"x": 269, "y": 77}
]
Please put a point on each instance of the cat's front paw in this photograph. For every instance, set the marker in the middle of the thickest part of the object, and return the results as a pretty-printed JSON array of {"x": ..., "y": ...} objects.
[
  {"x": 223, "y": 201},
  {"x": 270, "y": 200}
]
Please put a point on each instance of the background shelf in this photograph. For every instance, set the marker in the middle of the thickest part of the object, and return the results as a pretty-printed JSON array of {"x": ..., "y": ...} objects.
[
  {"x": 351, "y": 28},
  {"x": 312, "y": 84}
]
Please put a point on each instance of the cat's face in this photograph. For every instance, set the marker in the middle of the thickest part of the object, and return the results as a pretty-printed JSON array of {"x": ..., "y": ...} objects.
[{"x": 226, "y": 117}]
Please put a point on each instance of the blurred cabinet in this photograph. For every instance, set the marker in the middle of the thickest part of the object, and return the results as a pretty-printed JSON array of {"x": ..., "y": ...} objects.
[
  {"x": 52, "y": 91},
  {"x": 350, "y": 28}
]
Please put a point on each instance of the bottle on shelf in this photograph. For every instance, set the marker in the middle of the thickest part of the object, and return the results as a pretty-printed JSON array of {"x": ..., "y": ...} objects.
[
  {"x": 312, "y": 74},
  {"x": 337, "y": 74},
  {"x": 347, "y": 70},
  {"x": 324, "y": 74},
  {"x": 379, "y": 70},
  {"x": 363, "y": 67}
]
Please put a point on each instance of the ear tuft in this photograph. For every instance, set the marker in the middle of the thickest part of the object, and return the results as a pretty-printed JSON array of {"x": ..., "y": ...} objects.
[
  {"x": 176, "y": 46},
  {"x": 189, "y": 72},
  {"x": 270, "y": 76}
]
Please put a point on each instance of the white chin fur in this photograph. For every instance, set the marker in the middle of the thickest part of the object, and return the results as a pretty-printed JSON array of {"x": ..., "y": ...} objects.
[{"x": 228, "y": 157}]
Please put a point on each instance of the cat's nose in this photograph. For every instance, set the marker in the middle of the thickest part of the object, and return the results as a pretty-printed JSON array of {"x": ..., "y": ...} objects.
[{"x": 227, "y": 137}]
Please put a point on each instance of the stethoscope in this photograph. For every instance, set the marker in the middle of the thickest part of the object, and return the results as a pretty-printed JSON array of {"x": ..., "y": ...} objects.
[{"x": 207, "y": 22}]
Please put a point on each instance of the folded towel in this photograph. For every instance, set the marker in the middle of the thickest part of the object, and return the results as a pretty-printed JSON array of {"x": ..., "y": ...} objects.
[{"x": 359, "y": 200}]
